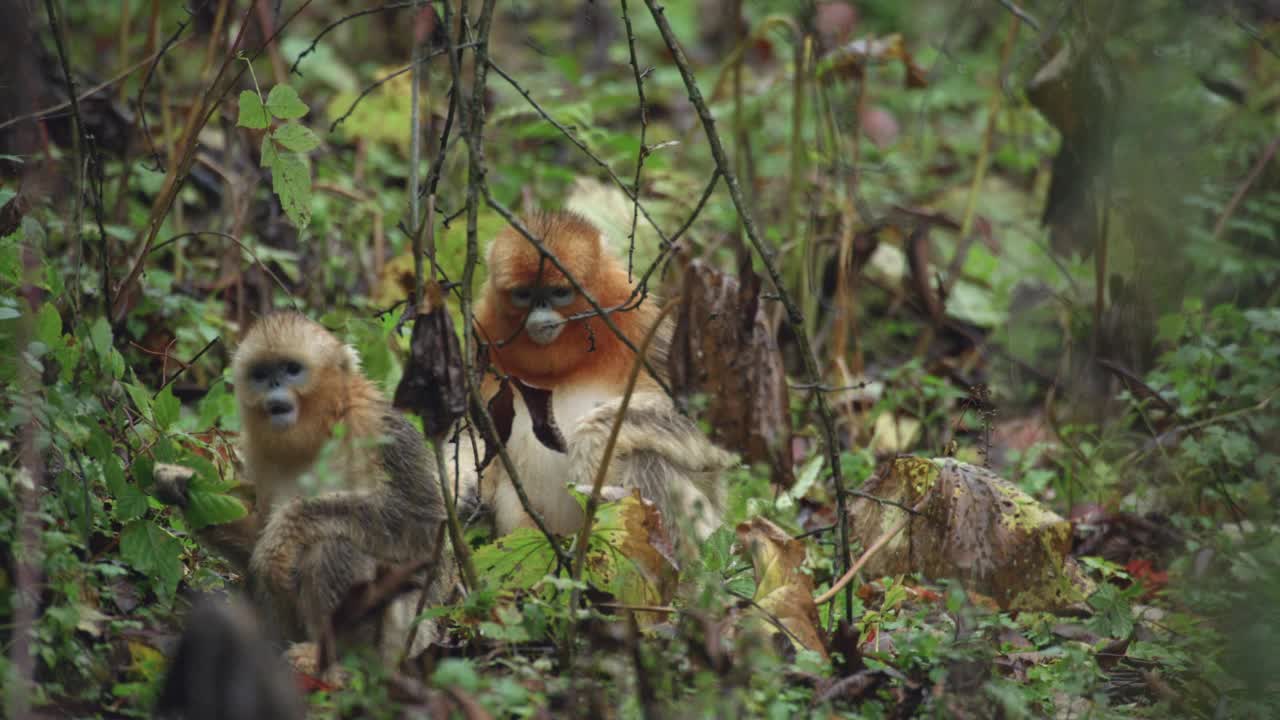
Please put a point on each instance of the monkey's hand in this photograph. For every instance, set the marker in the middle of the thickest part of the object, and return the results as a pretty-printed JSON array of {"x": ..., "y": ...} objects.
[{"x": 172, "y": 482}]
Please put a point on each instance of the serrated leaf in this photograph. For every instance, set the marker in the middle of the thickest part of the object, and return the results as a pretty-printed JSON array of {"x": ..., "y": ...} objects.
[
  {"x": 269, "y": 154},
  {"x": 253, "y": 114},
  {"x": 515, "y": 561},
  {"x": 210, "y": 508},
  {"x": 296, "y": 137},
  {"x": 152, "y": 551},
  {"x": 130, "y": 504},
  {"x": 167, "y": 408},
  {"x": 291, "y": 181},
  {"x": 284, "y": 103}
]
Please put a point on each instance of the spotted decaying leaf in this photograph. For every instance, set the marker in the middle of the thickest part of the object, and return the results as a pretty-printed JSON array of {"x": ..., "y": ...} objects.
[
  {"x": 433, "y": 386},
  {"x": 723, "y": 349},
  {"x": 783, "y": 589},
  {"x": 973, "y": 526},
  {"x": 628, "y": 554}
]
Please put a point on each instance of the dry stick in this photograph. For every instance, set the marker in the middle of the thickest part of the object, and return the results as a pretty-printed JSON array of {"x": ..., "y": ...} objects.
[
  {"x": 49, "y": 111},
  {"x": 315, "y": 41},
  {"x": 474, "y": 136},
  {"x": 77, "y": 155},
  {"x": 202, "y": 112},
  {"x": 870, "y": 552},
  {"x": 582, "y": 147},
  {"x": 794, "y": 317},
  {"x": 456, "y": 538},
  {"x": 1221, "y": 226},
  {"x": 644, "y": 128},
  {"x": 597, "y": 483}
]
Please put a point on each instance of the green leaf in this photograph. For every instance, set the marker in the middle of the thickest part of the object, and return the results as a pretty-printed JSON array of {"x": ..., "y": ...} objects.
[
  {"x": 296, "y": 137},
  {"x": 269, "y": 153},
  {"x": 516, "y": 561},
  {"x": 100, "y": 336},
  {"x": 167, "y": 408},
  {"x": 210, "y": 508},
  {"x": 49, "y": 325},
  {"x": 291, "y": 180},
  {"x": 9, "y": 313},
  {"x": 152, "y": 551},
  {"x": 141, "y": 398},
  {"x": 284, "y": 103},
  {"x": 253, "y": 114}
]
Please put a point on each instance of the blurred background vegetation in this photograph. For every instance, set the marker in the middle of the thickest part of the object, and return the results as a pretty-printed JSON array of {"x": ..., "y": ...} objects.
[{"x": 1040, "y": 235}]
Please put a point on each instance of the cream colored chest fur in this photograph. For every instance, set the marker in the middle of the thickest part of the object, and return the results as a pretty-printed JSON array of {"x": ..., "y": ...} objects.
[{"x": 544, "y": 472}]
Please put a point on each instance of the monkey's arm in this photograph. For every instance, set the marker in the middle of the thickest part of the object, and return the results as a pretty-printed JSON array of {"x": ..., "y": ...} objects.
[
  {"x": 661, "y": 453},
  {"x": 233, "y": 540}
]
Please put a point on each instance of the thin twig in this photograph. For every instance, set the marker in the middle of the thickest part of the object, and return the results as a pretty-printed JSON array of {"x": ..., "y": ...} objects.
[
  {"x": 870, "y": 552},
  {"x": 597, "y": 483},
  {"x": 582, "y": 146},
  {"x": 644, "y": 128},
  {"x": 1221, "y": 226},
  {"x": 794, "y": 317},
  {"x": 315, "y": 41}
]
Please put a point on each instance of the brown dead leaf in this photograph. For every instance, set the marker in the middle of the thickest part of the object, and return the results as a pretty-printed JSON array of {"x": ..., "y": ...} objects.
[
  {"x": 853, "y": 57},
  {"x": 722, "y": 348},
  {"x": 783, "y": 589},
  {"x": 433, "y": 387},
  {"x": 974, "y": 526}
]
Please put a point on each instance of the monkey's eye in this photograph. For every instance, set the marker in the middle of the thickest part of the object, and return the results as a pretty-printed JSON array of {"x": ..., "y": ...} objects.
[
  {"x": 521, "y": 297},
  {"x": 561, "y": 296},
  {"x": 293, "y": 367},
  {"x": 259, "y": 374}
]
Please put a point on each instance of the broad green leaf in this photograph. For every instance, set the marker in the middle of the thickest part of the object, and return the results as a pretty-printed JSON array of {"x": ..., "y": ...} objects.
[
  {"x": 296, "y": 137},
  {"x": 253, "y": 114},
  {"x": 100, "y": 336},
  {"x": 211, "y": 508},
  {"x": 516, "y": 561},
  {"x": 284, "y": 103},
  {"x": 291, "y": 181},
  {"x": 9, "y": 313},
  {"x": 167, "y": 408},
  {"x": 141, "y": 398},
  {"x": 49, "y": 325},
  {"x": 152, "y": 551}
]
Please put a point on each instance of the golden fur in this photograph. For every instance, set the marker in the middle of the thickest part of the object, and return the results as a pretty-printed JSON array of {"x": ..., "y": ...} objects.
[{"x": 306, "y": 553}]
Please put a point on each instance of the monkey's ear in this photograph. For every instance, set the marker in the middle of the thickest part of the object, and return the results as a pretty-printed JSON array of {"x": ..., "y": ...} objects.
[{"x": 350, "y": 359}]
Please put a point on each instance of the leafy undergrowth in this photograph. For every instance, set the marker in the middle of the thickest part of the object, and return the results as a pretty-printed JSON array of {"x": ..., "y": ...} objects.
[{"x": 1104, "y": 479}]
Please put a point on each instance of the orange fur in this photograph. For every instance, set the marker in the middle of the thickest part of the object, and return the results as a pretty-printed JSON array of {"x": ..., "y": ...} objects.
[
  {"x": 276, "y": 458},
  {"x": 587, "y": 349}
]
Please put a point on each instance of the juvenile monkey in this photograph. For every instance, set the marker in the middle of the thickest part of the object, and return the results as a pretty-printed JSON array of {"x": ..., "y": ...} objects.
[
  {"x": 295, "y": 382},
  {"x": 527, "y": 313}
]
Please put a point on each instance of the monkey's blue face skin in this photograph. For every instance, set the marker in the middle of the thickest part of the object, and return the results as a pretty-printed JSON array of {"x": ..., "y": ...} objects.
[
  {"x": 544, "y": 322},
  {"x": 275, "y": 383}
]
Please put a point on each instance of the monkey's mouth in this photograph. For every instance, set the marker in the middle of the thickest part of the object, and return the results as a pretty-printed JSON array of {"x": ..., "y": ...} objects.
[
  {"x": 282, "y": 414},
  {"x": 544, "y": 331}
]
